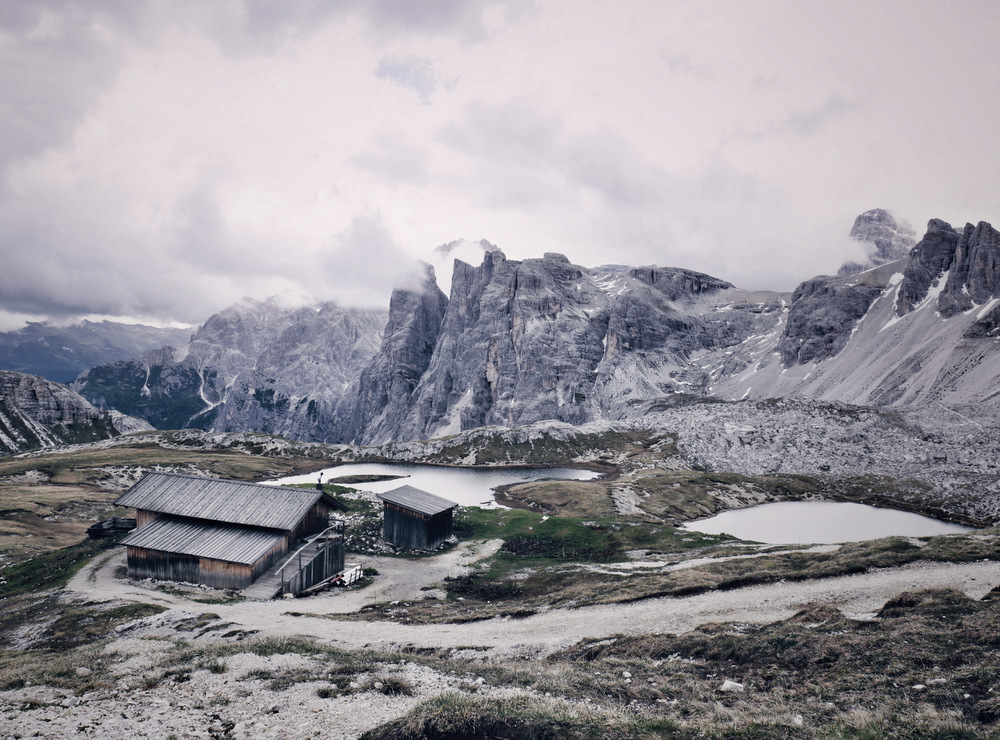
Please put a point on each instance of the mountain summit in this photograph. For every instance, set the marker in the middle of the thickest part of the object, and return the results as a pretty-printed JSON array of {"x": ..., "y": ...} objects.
[{"x": 881, "y": 237}]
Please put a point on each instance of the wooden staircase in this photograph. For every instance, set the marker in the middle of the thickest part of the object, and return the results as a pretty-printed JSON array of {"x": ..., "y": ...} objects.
[
  {"x": 301, "y": 569},
  {"x": 267, "y": 586}
]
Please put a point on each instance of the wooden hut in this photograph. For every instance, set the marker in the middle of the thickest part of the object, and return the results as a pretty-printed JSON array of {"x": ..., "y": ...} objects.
[
  {"x": 220, "y": 533},
  {"x": 414, "y": 519}
]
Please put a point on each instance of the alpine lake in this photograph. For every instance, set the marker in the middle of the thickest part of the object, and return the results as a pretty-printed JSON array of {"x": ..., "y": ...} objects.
[{"x": 781, "y": 523}]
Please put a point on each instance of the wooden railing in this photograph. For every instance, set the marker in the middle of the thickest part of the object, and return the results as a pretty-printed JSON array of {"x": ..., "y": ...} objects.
[{"x": 322, "y": 565}]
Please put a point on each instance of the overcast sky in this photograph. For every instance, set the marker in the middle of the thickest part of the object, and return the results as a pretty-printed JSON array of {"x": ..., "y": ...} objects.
[{"x": 161, "y": 160}]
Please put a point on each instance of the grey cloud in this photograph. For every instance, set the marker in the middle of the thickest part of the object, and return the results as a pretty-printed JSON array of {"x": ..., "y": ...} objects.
[
  {"x": 597, "y": 193},
  {"x": 51, "y": 69},
  {"x": 365, "y": 263},
  {"x": 608, "y": 165},
  {"x": 769, "y": 82},
  {"x": 267, "y": 17},
  {"x": 529, "y": 160},
  {"x": 809, "y": 122},
  {"x": 91, "y": 259},
  {"x": 514, "y": 133},
  {"x": 198, "y": 236},
  {"x": 683, "y": 63},
  {"x": 262, "y": 27},
  {"x": 411, "y": 72},
  {"x": 58, "y": 55},
  {"x": 460, "y": 18},
  {"x": 395, "y": 161},
  {"x": 428, "y": 16},
  {"x": 58, "y": 274}
]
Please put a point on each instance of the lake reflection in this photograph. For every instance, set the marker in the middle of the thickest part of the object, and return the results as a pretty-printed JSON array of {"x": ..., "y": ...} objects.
[
  {"x": 820, "y": 522},
  {"x": 466, "y": 486}
]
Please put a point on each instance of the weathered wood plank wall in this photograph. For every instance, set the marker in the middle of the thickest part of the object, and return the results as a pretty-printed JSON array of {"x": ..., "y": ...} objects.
[{"x": 412, "y": 530}]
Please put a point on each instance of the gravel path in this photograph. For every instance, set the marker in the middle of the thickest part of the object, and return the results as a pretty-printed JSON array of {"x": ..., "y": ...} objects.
[{"x": 858, "y": 595}]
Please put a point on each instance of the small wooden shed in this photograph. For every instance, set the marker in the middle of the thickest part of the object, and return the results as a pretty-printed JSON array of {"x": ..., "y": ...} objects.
[
  {"x": 219, "y": 533},
  {"x": 414, "y": 519}
]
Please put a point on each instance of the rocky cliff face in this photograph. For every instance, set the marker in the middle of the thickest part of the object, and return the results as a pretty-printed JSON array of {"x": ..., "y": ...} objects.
[
  {"x": 35, "y": 412},
  {"x": 926, "y": 338},
  {"x": 542, "y": 338},
  {"x": 519, "y": 342},
  {"x": 961, "y": 269},
  {"x": 823, "y": 314},
  {"x": 974, "y": 278},
  {"x": 882, "y": 238},
  {"x": 387, "y": 384},
  {"x": 931, "y": 258},
  {"x": 256, "y": 365}
]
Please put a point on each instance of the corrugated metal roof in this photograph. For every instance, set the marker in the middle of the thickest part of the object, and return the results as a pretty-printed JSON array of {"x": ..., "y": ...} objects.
[
  {"x": 234, "y": 502},
  {"x": 416, "y": 500},
  {"x": 228, "y": 542}
]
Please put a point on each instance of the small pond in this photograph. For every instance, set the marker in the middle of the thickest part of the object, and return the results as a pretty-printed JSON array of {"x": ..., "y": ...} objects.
[
  {"x": 466, "y": 486},
  {"x": 820, "y": 522}
]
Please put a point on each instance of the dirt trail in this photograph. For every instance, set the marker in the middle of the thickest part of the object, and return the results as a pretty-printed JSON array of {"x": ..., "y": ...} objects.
[{"x": 857, "y": 595}]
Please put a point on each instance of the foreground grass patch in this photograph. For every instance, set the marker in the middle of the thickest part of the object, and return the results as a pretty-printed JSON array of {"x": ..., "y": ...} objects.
[{"x": 462, "y": 716}]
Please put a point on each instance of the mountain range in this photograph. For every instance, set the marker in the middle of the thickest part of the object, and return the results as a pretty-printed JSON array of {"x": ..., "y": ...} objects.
[
  {"x": 60, "y": 353},
  {"x": 520, "y": 341}
]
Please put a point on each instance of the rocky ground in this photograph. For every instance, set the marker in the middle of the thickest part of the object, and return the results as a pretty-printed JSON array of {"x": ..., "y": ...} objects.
[{"x": 211, "y": 667}]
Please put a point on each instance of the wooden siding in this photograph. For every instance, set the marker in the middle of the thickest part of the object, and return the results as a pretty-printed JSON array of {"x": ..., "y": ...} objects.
[
  {"x": 196, "y": 548},
  {"x": 315, "y": 521},
  {"x": 412, "y": 530},
  {"x": 144, "y": 517},
  {"x": 167, "y": 566},
  {"x": 172, "y": 566}
]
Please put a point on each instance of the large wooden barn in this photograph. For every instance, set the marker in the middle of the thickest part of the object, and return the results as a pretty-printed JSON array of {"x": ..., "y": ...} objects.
[
  {"x": 220, "y": 533},
  {"x": 416, "y": 520}
]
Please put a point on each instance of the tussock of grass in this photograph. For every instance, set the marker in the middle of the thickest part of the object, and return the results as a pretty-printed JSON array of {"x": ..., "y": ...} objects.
[
  {"x": 45, "y": 624},
  {"x": 519, "y": 579},
  {"x": 58, "y": 669},
  {"x": 533, "y": 536},
  {"x": 395, "y": 686},
  {"x": 529, "y": 718}
]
